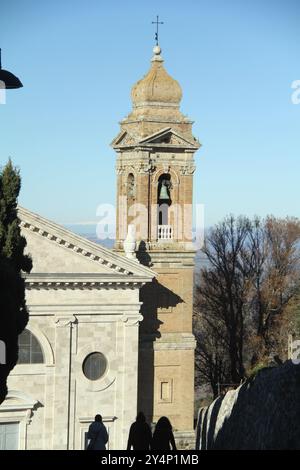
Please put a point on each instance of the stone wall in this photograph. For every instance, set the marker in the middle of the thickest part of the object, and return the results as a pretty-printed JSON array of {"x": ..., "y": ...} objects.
[
  {"x": 263, "y": 413},
  {"x": 185, "y": 440}
]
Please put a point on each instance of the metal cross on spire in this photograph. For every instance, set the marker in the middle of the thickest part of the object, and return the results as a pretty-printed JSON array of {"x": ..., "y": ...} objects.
[{"x": 157, "y": 22}]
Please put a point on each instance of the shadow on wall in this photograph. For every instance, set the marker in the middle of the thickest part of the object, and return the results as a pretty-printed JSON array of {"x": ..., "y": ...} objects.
[
  {"x": 154, "y": 296},
  {"x": 263, "y": 413}
]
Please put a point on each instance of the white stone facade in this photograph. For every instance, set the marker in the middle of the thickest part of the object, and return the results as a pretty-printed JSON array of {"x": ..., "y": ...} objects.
[{"x": 82, "y": 299}]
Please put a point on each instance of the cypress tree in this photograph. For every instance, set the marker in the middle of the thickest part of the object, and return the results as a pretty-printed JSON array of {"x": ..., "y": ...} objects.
[{"x": 13, "y": 262}]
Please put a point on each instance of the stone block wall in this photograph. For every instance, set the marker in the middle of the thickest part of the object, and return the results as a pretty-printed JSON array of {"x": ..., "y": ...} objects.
[{"x": 262, "y": 414}]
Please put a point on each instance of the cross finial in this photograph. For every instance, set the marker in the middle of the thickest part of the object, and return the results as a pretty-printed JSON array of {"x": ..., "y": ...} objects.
[{"x": 157, "y": 22}]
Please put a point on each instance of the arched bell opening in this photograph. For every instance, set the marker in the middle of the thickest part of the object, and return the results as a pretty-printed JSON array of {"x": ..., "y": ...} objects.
[
  {"x": 130, "y": 186},
  {"x": 164, "y": 202},
  {"x": 131, "y": 190}
]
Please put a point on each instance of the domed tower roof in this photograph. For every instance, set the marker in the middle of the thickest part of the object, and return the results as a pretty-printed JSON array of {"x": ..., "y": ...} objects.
[
  {"x": 155, "y": 103},
  {"x": 157, "y": 87}
]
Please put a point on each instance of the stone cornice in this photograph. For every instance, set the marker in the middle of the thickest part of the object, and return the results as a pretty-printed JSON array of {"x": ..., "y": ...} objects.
[
  {"x": 174, "y": 341},
  {"x": 104, "y": 308},
  {"x": 90, "y": 419},
  {"x": 55, "y": 281},
  {"x": 89, "y": 250},
  {"x": 158, "y": 120}
]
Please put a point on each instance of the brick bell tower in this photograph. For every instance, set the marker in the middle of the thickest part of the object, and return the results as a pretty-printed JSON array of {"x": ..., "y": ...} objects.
[{"x": 155, "y": 166}]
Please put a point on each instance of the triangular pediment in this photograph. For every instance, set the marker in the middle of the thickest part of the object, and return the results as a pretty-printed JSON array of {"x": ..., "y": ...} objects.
[
  {"x": 166, "y": 137},
  {"x": 169, "y": 138},
  {"x": 55, "y": 249},
  {"x": 123, "y": 139}
]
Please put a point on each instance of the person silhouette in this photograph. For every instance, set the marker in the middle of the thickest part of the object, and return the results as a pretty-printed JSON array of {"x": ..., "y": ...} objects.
[
  {"x": 163, "y": 438},
  {"x": 140, "y": 435},
  {"x": 97, "y": 434}
]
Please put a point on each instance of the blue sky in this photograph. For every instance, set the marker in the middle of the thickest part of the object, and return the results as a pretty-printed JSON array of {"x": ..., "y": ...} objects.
[{"x": 236, "y": 61}]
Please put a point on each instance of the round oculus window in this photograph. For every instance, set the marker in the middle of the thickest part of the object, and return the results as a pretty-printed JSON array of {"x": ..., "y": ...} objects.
[{"x": 94, "y": 366}]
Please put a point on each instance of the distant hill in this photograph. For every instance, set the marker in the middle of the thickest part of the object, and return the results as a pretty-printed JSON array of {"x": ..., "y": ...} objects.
[{"x": 89, "y": 232}]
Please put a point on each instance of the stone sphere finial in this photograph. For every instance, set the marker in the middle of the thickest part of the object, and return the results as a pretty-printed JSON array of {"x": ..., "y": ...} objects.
[{"x": 157, "y": 50}]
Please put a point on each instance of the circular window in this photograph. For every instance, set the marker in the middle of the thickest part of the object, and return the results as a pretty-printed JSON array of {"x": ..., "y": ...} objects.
[{"x": 94, "y": 366}]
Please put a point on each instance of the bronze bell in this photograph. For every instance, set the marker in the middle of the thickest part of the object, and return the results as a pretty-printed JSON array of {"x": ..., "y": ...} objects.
[{"x": 164, "y": 194}]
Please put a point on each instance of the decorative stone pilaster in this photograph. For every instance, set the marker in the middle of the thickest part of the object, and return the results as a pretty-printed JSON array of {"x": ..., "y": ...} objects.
[
  {"x": 127, "y": 333},
  {"x": 62, "y": 384}
]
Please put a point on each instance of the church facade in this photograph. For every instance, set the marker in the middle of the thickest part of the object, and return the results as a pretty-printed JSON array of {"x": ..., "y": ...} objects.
[
  {"x": 78, "y": 355},
  {"x": 110, "y": 331}
]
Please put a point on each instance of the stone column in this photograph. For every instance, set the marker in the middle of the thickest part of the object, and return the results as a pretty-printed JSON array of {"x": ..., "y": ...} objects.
[{"x": 61, "y": 402}]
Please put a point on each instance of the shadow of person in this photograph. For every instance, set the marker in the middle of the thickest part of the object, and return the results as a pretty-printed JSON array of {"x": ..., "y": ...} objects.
[
  {"x": 140, "y": 435},
  {"x": 163, "y": 438}
]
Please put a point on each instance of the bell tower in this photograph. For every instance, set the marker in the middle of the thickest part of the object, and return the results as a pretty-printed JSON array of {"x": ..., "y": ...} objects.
[{"x": 155, "y": 166}]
